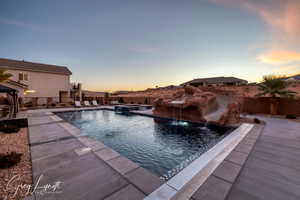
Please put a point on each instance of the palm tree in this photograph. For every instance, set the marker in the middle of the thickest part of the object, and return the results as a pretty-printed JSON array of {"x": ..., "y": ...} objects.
[
  {"x": 274, "y": 87},
  {"x": 4, "y": 76}
]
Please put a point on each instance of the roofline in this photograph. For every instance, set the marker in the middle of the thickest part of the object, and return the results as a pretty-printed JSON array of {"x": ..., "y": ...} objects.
[
  {"x": 44, "y": 71},
  {"x": 34, "y": 63},
  {"x": 204, "y": 79}
]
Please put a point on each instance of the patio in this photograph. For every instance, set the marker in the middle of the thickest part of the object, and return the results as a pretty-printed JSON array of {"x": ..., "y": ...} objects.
[{"x": 263, "y": 166}]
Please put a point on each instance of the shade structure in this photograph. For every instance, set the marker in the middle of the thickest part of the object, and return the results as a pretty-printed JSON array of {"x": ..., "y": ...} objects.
[{"x": 13, "y": 99}]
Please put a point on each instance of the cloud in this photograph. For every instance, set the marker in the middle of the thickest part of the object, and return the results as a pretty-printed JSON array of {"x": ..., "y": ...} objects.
[
  {"x": 19, "y": 24},
  {"x": 283, "y": 19},
  {"x": 287, "y": 70},
  {"x": 281, "y": 15},
  {"x": 278, "y": 57},
  {"x": 143, "y": 49}
]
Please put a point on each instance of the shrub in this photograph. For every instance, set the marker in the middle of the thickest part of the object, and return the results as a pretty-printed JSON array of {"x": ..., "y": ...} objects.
[
  {"x": 9, "y": 159},
  {"x": 256, "y": 121},
  {"x": 289, "y": 116},
  {"x": 10, "y": 128}
]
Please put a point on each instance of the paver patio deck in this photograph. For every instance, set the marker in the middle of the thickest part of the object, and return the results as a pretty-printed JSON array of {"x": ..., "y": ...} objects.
[
  {"x": 98, "y": 173},
  {"x": 270, "y": 171}
]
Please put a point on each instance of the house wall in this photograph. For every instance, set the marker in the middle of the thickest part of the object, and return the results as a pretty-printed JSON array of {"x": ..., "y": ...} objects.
[{"x": 44, "y": 84}]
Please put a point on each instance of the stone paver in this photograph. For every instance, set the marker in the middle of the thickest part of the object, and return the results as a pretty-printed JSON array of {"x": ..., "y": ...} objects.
[
  {"x": 237, "y": 157},
  {"x": 107, "y": 154},
  {"x": 54, "y": 148},
  {"x": 86, "y": 168},
  {"x": 227, "y": 171},
  {"x": 144, "y": 180},
  {"x": 218, "y": 185},
  {"x": 243, "y": 148},
  {"x": 46, "y": 132},
  {"x": 122, "y": 164},
  {"x": 272, "y": 169},
  {"x": 213, "y": 189},
  {"x": 127, "y": 193}
]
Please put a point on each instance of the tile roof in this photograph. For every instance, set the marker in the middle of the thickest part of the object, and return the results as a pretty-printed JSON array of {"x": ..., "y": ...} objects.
[{"x": 35, "y": 67}]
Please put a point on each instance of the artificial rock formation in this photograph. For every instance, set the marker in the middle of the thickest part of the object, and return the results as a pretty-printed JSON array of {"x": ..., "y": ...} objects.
[
  {"x": 231, "y": 115},
  {"x": 188, "y": 103}
]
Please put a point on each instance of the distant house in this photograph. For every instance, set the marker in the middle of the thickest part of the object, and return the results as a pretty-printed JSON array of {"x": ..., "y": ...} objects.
[
  {"x": 215, "y": 81},
  {"x": 293, "y": 78},
  {"x": 93, "y": 94},
  {"x": 120, "y": 92},
  {"x": 36, "y": 80}
]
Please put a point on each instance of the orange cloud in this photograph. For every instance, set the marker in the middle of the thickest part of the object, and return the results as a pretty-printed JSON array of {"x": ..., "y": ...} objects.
[
  {"x": 282, "y": 15},
  {"x": 287, "y": 70},
  {"x": 279, "y": 57},
  {"x": 285, "y": 19}
]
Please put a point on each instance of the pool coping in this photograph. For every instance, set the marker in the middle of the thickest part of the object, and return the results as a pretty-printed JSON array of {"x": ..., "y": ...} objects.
[
  {"x": 189, "y": 180},
  {"x": 185, "y": 183}
]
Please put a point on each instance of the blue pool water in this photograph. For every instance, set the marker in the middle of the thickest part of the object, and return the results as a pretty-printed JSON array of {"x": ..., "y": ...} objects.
[{"x": 163, "y": 147}]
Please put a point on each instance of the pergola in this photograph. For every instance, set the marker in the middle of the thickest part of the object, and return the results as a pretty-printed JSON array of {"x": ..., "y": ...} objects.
[{"x": 13, "y": 99}]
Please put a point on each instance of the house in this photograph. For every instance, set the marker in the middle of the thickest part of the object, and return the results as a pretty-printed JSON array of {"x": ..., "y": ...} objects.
[
  {"x": 120, "y": 92},
  {"x": 42, "y": 82},
  {"x": 215, "y": 81},
  {"x": 295, "y": 78},
  {"x": 94, "y": 94}
]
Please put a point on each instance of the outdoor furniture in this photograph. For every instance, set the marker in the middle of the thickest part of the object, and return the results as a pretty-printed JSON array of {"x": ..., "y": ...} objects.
[
  {"x": 87, "y": 103},
  {"x": 12, "y": 98},
  {"x": 77, "y": 104},
  {"x": 114, "y": 102},
  {"x": 94, "y": 103}
]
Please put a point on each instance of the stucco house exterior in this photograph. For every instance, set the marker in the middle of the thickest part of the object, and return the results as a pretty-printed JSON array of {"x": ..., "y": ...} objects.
[{"x": 41, "y": 82}]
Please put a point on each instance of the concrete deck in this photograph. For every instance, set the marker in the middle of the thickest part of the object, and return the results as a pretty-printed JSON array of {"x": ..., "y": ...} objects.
[
  {"x": 266, "y": 169},
  {"x": 272, "y": 170},
  {"x": 87, "y": 168},
  {"x": 265, "y": 165}
]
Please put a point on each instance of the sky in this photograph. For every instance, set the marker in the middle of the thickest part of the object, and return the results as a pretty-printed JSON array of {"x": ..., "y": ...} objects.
[{"x": 137, "y": 44}]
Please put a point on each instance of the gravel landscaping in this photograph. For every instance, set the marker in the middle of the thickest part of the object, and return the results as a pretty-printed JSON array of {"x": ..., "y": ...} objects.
[{"x": 19, "y": 175}]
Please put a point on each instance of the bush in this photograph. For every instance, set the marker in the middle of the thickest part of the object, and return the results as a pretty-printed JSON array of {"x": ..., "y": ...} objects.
[
  {"x": 256, "y": 121},
  {"x": 291, "y": 116},
  {"x": 10, "y": 128},
  {"x": 9, "y": 160}
]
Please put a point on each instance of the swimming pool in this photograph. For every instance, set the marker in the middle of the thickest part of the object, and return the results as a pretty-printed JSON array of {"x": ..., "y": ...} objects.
[{"x": 164, "y": 147}]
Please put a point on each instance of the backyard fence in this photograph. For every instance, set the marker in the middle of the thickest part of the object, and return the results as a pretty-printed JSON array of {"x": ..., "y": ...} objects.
[{"x": 286, "y": 106}]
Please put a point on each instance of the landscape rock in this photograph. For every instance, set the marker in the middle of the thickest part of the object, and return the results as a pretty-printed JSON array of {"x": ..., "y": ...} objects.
[{"x": 188, "y": 103}]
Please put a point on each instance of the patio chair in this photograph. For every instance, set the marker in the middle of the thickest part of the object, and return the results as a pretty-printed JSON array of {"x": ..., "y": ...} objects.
[
  {"x": 77, "y": 104},
  {"x": 87, "y": 103},
  {"x": 94, "y": 103},
  {"x": 114, "y": 102}
]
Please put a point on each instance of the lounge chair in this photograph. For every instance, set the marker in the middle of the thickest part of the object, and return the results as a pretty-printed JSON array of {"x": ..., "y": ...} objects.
[
  {"x": 87, "y": 103},
  {"x": 114, "y": 102},
  {"x": 94, "y": 103},
  {"x": 77, "y": 104}
]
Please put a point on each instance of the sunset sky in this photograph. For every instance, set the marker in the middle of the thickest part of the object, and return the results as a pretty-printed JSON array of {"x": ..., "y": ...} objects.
[{"x": 136, "y": 44}]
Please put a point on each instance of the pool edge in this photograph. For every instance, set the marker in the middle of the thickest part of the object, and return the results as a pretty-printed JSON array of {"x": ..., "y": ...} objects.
[{"x": 195, "y": 174}]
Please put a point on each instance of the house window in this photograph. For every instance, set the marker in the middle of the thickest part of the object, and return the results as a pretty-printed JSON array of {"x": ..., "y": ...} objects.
[
  {"x": 23, "y": 76},
  {"x": 20, "y": 76}
]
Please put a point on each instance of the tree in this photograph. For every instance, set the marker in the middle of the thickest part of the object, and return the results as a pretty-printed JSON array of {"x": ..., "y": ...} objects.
[
  {"x": 4, "y": 76},
  {"x": 274, "y": 87}
]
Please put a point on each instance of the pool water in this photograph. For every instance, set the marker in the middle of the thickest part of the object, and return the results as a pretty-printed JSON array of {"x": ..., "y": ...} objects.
[{"x": 162, "y": 147}]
